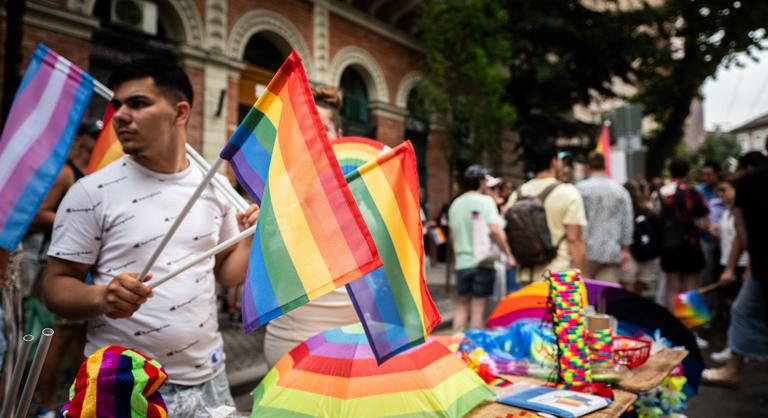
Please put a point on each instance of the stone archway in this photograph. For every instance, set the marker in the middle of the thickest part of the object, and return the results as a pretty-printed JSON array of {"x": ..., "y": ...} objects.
[
  {"x": 272, "y": 24},
  {"x": 368, "y": 68},
  {"x": 408, "y": 83}
]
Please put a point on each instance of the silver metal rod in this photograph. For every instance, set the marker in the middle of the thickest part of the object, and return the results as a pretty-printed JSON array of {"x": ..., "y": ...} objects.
[
  {"x": 102, "y": 90},
  {"x": 192, "y": 199},
  {"x": 12, "y": 391},
  {"x": 223, "y": 186},
  {"x": 213, "y": 251},
  {"x": 34, "y": 372}
]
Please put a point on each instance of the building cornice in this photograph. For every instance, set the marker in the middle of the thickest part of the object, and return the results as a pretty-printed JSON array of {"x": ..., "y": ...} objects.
[
  {"x": 60, "y": 20},
  {"x": 379, "y": 108},
  {"x": 367, "y": 21}
]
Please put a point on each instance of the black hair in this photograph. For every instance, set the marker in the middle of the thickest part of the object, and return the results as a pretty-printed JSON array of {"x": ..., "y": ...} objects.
[
  {"x": 89, "y": 127},
  {"x": 752, "y": 159},
  {"x": 679, "y": 168},
  {"x": 470, "y": 183},
  {"x": 714, "y": 165},
  {"x": 169, "y": 78},
  {"x": 596, "y": 161},
  {"x": 541, "y": 154}
]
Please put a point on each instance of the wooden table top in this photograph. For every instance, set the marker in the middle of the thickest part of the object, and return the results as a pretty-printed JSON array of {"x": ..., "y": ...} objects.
[{"x": 622, "y": 401}]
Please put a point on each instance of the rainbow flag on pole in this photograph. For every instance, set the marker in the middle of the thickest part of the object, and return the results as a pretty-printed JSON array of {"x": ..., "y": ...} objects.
[
  {"x": 393, "y": 302},
  {"x": 107, "y": 148},
  {"x": 37, "y": 136},
  {"x": 604, "y": 146},
  {"x": 311, "y": 237}
]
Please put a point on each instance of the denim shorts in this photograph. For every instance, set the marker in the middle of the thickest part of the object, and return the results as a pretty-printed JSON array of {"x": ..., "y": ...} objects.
[
  {"x": 477, "y": 282},
  {"x": 748, "y": 332}
]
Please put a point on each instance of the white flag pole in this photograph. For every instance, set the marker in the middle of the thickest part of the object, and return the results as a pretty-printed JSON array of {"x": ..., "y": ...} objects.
[
  {"x": 213, "y": 251},
  {"x": 223, "y": 186},
  {"x": 192, "y": 199}
]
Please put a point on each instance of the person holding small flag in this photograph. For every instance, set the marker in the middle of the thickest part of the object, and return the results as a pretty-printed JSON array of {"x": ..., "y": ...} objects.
[{"x": 110, "y": 221}]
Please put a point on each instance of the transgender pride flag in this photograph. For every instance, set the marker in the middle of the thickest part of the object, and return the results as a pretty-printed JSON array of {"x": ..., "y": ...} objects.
[{"x": 37, "y": 136}]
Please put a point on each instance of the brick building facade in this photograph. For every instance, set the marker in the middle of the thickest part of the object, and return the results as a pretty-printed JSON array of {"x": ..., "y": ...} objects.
[{"x": 229, "y": 49}]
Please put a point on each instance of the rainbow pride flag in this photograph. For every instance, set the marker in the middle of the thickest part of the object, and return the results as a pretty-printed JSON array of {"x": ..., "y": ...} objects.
[
  {"x": 604, "y": 147},
  {"x": 38, "y": 133},
  {"x": 393, "y": 303},
  {"x": 691, "y": 309},
  {"x": 107, "y": 148},
  {"x": 311, "y": 237}
]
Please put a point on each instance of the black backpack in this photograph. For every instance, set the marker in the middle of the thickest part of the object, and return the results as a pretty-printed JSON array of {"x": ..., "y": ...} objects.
[
  {"x": 645, "y": 238},
  {"x": 672, "y": 234},
  {"x": 527, "y": 230}
]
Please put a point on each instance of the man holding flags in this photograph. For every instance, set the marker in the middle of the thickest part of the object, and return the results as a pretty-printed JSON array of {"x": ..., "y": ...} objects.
[{"x": 110, "y": 222}]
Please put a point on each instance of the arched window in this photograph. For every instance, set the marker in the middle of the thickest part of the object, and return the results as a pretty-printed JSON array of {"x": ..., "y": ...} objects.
[
  {"x": 417, "y": 130},
  {"x": 355, "y": 110},
  {"x": 264, "y": 53}
]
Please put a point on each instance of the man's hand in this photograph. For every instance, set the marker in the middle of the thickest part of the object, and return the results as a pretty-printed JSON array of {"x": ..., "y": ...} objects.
[
  {"x": 124, "y": 295},
  {"x": 248, "y": 218},
  {"x": 511, "y": 262},
  {"x": 625, "y": 259},
  {"x": 727, "y": 277}
]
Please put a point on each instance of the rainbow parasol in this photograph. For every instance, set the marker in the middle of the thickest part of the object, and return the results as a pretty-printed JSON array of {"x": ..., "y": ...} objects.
[
  {"x": 335, "y": 374},
  {"x": 530, "y": 302},
  {"x": 354, "y": 151}
]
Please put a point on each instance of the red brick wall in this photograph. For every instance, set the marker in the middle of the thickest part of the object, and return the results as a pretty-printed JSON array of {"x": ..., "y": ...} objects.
[
  {"x": 200, "y": 6},
  {"x": 233, "y": 86},
  {"x": 388, "y": 131},
  {"x": 394, "y": 59},
  {"x": 438, "y": 171},
  {"x": 74, "y": 49},
  {"x": 195, "y": 128},
  {"x": 298, "y": 12}
]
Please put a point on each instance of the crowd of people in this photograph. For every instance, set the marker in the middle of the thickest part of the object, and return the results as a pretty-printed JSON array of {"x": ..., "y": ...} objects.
[
  {"x": 658, "y": 239},
  {"x": 94, "y": 232}
]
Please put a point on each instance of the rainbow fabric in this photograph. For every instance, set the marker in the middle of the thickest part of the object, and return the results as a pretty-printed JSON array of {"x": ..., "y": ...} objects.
[
  {"x": 37, "y": 136},
  {"x": 393, "y": 302},
  {"x": 691, "y": 309},
  {"x": 117, "y": 382},
  {"x": 530, "y": 302},
  {"x": 600, "y": 347},
  {"x": 604, "y": 147},
  {"x": 107, "y": 148},
  {"x": 354, "y": 151},
  {"x": 311, "y": 237},
  {"x": 335, "y": 374}
]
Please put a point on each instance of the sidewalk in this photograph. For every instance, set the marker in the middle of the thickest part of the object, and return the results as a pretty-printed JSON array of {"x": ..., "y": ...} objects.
[{"x": 245, "y": 353}]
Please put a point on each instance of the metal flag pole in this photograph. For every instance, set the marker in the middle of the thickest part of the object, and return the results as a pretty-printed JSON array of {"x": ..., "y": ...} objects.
[
  {"x": 177, "y": 222},
  {"x": 223, "y": 186},
  {"x": 34, "y": 372},
  {"x": 12, "y": 391},
  {"x": 213, "y": 251}
]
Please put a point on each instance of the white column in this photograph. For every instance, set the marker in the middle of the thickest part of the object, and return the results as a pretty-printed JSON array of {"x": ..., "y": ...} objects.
[
  {"x": 215, "y": 109},
  {"x": 321, "y": 41}
]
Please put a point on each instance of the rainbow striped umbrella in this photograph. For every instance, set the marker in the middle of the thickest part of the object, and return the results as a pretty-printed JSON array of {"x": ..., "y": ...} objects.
[
  {"x": 354, "y": 151},
  {"x": 335, "y": 374},
  {"x": 530, "y": 302}
]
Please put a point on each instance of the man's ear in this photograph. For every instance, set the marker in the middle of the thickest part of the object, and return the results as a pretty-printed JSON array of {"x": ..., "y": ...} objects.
[{"x": 183, "y": 112}]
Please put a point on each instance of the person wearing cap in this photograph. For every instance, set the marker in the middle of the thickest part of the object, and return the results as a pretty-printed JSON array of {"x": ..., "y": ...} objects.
[
  {"x": 475, "y": 278},
  {"x": 69, "y": 336}
]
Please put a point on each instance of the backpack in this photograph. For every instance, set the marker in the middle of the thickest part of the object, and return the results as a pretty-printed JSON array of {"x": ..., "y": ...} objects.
[
  {"x": 645, "y": 238},
  {"x": 673, "y": 237},
  {"x": 527, "y": 230}
]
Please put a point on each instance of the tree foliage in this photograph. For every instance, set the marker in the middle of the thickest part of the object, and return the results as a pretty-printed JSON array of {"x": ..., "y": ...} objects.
[
  {"x": 719, "y": 147},
  {"x": 693, "y": 38}
]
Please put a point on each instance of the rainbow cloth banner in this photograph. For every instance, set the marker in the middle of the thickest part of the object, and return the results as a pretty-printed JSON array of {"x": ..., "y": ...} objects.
[
  {"x": 393, "y": 302},
  {"x": 37, "y": 136},
  {"x": 107, "y": 148},
  {"x": 311, "y": 237}
]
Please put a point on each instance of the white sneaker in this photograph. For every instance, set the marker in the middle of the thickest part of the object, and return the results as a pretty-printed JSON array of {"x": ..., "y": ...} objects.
[
  {"x": 721, "y": 356},
  {"x": 702, "y": 343},
  {"x": 45, "y": 413}
]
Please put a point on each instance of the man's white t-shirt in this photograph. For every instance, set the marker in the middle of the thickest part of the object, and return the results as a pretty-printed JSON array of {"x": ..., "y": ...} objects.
[{"x": 113, "y": 220}]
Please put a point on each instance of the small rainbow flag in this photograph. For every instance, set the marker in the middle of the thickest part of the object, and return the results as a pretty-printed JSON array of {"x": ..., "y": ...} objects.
[
  {"x": 393, "y": 303},
  {"x": 604, "y": 147},
  {"x": 311, "y": 237},
  {"x": 107, "y": 148},
  {"x": 438, "y": 235},
  {"x": 117, "y": 382},
  {"x": 691, "y": 309},
  {"x": 37, "y": 136}
]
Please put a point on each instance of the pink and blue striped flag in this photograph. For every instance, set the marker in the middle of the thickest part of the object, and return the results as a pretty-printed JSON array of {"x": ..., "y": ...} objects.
[{"x": 37, "y": 136}]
